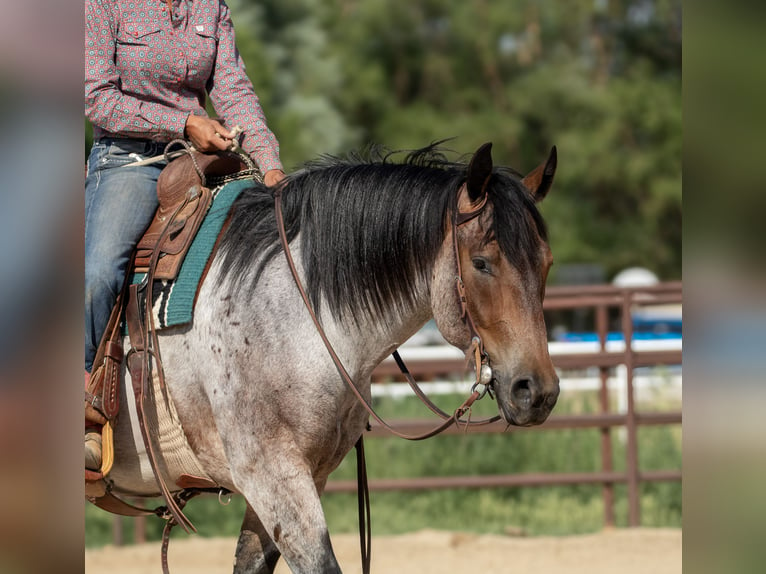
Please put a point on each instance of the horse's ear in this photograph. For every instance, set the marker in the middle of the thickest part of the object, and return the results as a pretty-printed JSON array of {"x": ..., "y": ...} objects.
[
  {"x": 479, "y": 172},
  {"x": 539, "y": 180}
]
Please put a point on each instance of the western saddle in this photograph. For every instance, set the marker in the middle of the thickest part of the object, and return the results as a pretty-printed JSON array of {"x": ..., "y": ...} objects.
[{"x": 184, "y": 191}]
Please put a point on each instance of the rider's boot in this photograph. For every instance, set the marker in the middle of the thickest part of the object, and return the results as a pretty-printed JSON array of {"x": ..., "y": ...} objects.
[{"x": 94, "y": 420}]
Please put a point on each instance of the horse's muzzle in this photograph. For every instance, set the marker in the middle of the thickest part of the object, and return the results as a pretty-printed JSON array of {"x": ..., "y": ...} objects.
[{"x": 527, "y": 400}]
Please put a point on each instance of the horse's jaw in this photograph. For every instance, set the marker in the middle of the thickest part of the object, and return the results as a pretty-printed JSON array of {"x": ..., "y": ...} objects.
[{"x": 444, "y": 302}]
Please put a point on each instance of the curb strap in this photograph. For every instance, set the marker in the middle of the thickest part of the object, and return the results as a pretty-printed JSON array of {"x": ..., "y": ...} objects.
[{"x": 429, "y": 403}]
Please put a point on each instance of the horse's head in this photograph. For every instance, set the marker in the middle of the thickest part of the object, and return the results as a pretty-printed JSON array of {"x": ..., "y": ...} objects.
[{"x": 504, "y": 260}]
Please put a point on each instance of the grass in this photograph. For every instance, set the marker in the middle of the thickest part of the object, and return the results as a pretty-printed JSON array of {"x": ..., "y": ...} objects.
[{"x": 557, "y": 510}]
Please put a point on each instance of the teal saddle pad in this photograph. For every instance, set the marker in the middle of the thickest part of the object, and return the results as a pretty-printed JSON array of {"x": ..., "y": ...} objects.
[{"x": 173, "y": 301}]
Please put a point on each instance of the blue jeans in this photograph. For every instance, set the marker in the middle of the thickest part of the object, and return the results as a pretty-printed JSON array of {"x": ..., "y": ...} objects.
[{"x": 119, "y": 205}]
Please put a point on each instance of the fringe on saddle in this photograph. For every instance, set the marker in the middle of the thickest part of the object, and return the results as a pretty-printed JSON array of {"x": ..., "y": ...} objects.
[{"x": 184, "y": 191}]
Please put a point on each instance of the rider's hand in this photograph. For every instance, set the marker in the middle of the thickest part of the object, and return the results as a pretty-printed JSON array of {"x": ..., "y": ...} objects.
[
  {"x": 273, "y": 177},
  {"x": 207, "y": 134}
]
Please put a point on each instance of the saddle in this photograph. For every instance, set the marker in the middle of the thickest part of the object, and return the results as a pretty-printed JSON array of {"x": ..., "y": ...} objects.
[
  {"x": 184, "y": 198},
  {"x": 185, "y": 195}
]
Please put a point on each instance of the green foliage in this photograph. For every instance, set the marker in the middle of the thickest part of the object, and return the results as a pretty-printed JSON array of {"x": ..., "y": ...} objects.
[
  {"x": 286, "y": 53},
  {"x": 601, "y": 80}
]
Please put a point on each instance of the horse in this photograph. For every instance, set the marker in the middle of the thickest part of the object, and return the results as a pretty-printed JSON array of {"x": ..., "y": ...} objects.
[{"x": 259, "y": 398}]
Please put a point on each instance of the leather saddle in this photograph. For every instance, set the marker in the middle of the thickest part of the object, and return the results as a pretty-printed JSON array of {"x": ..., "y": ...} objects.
[
  {"x": 184, "y": 194},
  {"x": 184, "y": 197}
]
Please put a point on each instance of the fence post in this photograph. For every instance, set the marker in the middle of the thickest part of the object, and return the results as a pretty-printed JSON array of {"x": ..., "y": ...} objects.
[
  {"x": 634, "y": 510},
  {"x": 602, "y": 328},
  {"x": 118, "y": 537},
  {"x": 139, "y": 530}
]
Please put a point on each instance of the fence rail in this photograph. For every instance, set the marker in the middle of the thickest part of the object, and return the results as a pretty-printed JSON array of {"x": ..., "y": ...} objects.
[{"x": 599, "y": 298}]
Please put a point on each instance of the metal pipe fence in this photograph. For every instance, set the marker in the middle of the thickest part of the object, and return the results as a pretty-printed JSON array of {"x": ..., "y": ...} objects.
[{"x": 600, "y": 299}]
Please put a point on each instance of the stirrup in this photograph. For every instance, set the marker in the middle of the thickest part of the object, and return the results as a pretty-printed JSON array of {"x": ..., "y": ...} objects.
[{"x": 101, "y": 449}]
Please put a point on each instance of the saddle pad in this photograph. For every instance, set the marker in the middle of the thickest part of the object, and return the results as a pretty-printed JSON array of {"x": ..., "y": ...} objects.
[{"x": 173, "y": 301}]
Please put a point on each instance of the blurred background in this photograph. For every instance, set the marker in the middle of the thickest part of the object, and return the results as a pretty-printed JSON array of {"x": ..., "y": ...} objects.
[{"x": 601, "y": 79}]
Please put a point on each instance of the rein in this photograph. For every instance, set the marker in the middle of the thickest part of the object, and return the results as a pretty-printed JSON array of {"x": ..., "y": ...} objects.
[{"x": 481, "y": 359}]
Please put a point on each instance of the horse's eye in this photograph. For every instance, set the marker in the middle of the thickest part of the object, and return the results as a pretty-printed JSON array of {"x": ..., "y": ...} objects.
[{"x": 481, "y": 264}]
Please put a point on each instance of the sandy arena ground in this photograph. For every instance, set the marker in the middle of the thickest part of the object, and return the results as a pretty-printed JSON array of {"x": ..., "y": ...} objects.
[{"x": 627, "y": 551}]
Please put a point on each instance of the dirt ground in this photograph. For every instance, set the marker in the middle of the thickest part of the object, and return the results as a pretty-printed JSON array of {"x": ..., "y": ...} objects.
[{"x": 627, "y": 551}]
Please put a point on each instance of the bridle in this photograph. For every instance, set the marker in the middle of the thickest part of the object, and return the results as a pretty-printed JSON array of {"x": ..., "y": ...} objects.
[{"x": 484, "y": 376}]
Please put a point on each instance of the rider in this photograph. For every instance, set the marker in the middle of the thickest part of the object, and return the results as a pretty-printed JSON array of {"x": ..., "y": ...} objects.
[{"x": 149, "y": 66}]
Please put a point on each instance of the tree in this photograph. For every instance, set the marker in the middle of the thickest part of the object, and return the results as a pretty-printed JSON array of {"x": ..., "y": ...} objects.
[{"x": 599, "y": 79}]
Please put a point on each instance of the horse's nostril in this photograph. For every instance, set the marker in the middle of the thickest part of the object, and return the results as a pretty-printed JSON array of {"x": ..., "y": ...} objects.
[
  {"x": 521, "y": 393},
  {"x": 525, "y": 393},
  {"x": 552, "y": 397}
]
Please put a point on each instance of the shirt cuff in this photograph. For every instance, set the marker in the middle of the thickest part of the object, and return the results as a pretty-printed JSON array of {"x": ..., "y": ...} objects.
[
  {"x": 269, "y": 165},
  {"x": 266, "y": 158}
]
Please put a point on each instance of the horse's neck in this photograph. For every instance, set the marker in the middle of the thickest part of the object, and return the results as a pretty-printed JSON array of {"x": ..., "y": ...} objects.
[
  {"x": 379, "y": 340},
  {"x": 372, "y": 341},
  {"x": 280, "y": 313},
  {"x": 368, "y": 342}
]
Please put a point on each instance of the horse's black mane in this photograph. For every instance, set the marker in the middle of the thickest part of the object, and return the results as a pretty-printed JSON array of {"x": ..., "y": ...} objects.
[{"x": 371, "y": 227}]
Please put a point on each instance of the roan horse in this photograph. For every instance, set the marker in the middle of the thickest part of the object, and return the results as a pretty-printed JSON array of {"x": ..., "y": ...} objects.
[{"x": 259, "y": 399}]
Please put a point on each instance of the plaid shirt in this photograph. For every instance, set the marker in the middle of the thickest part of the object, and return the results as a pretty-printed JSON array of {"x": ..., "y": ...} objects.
[{"x": 146, "y": 71}]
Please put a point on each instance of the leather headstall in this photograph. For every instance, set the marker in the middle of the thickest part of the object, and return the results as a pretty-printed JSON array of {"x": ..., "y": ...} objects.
[{"x": 481, "y": 358}]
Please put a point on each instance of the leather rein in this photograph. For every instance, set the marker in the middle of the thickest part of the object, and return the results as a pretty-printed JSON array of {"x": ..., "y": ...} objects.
[
  {"x": 481, "y": 363},
  {"x": 483, "y": 371}
]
